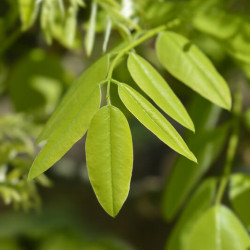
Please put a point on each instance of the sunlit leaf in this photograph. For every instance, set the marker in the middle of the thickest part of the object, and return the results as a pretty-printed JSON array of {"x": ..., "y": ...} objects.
[
  {"x": 84, "y": 84},
  {"x": 152, "y": 119},
  {"x": 90, "y": 36},
  {"x": 239, "y": 194},
  {"x": 152, "y": 83},
  {"x": 187, "y": 63},
  {"x": 218, "y": 229},
  {"x": 200, "y": 201},
  {"x": 109, "y": 154},
  {"x": 71, "y": 119}
]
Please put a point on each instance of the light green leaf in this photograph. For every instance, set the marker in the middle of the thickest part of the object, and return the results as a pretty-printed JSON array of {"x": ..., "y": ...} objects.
[
  {"x": 187, "y": 63},
  {"x": 218, "y": 229},
  {"x": 90, "y": 36},
  {"x": 199, "y": 202},
  {"x": 71, "y": 24},
  {"x": 47, "y": 20},
  {"x": 185, "y": 174},
  {"x": 152, "y": 83},
  {"x": 152, "y": 119},
  {"x": 109, "y": 154},
  {"x": 107, "y": 35},
  {"x": 71, "y": 119},
  {"x": 217, "y": 22},
  {"x": 84, "y": 84},
  {"x": 239, "y": 194},
  {"x": 28, "y": 12}
]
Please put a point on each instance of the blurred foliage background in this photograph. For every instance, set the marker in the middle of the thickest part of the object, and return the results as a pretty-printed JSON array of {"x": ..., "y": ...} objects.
[{"x": 42, "y": 52}]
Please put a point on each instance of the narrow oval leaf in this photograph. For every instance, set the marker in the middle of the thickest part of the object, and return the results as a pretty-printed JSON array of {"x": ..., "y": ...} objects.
[
  {"x": 218, "y": 229},
  {"x": 200, "y": 201},
  {"x": 71, "y": 24},
  {"x": 75, "y": 96},
  {"x": 189, "y": 64},
  {"x": 153, "y": 120},
  {"x": 109, "y": 154},
  {"x": 28, "y": 12},
  {"x": 71, "y": 119},
  {"x": 152, "y": 83},
  {"x": 68, "y": 132},
  {"x": 90, "y": 36}
]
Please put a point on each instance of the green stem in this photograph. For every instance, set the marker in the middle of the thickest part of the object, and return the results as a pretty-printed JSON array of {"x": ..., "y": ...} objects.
[
  {"x": 143, "y": 38},
  {"x": 233, "y": 142}
]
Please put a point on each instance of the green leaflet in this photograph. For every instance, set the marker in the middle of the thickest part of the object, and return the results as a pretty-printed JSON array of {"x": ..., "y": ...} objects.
[
  {"x": 239, "y": 193},
  {"x": 67, "y": 133},
  {"x": 152, "y": 83},
  {"x": 74, "y": 97},
  {"x": 153, "y": 120},
  {"x": 28, "y": 11},
  {"x": 90, "y": 36},
  {"x": 190, "y": 65},
  {"x": 109, "y": 154},
  {"x": 218, "y": 229},
  {"x": 71, "y": 119},
  {"x": 199, "y": 202},
  {"x": 185, "y": 174}
]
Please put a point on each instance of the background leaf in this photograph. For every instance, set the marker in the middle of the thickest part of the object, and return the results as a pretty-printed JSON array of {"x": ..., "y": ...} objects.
[
  {"x": 188, "y": 64},
  {"x": 109, "y": 153},
  {"x": 200, "y": 201},
  {"x": 28, "y": 12},
  {"x": 152, "y": 83},
  {"x": 207, "y": 144},
  {"x": 218, "y": 229},
  {"x": 239, "y": 193},
  {"x": 153, "y": 120},
  {"x": 90, "y": 36}
]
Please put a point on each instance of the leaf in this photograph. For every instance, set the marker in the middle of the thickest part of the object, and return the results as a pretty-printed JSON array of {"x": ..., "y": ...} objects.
[
  {"x": 185, "y": 174},
  {"x": 218, "y": 229},
  {"x": 71, "y": 24},
  {"x": 107, "y": 35},
  {"x": 239, "y": 193},
  {"x": 90, "y": 36},
  {"x": 84, "y": 84},
  {"x": 28, "y": 12},
  {"x": 109, "y": 154},
  {"x": 71, "y": 119},
  {"x": 152, "y": 83},
  {"x": 188, "y": 64},
  {"x": 47, "y": 20},
  {"x": 217, "y": 22},
  {"x": 153, "y": 120},
  {"x": 200, "y": 201}
]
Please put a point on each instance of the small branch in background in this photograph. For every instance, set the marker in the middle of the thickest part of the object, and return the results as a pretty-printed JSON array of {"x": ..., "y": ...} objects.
[{"x": 232, "y": 146}]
